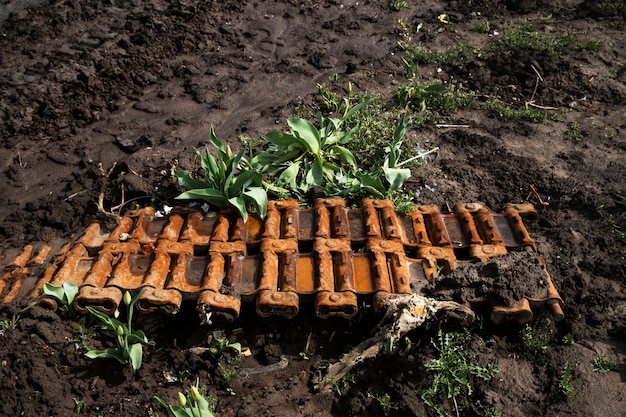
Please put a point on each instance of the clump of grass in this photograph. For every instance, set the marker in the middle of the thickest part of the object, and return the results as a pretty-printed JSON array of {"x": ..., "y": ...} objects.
[
  {"x": 9, "y": 324},
  {"x": 527, "y": 38},
  {"x": 527, "y": 114},
  {"x": 603, "y": 364},
  {"x": 396, "y": 6},
  {"x": 453, "y": 371},
  {"x": 536, "y": 338},
  {"x": 482, "y": 26},
  {"x": 575, "y": 132},
  {"x": 433, "y": 98}
]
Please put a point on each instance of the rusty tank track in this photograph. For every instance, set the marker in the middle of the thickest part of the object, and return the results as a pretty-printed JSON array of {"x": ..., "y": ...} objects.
[{"x": 327, "y": 254}]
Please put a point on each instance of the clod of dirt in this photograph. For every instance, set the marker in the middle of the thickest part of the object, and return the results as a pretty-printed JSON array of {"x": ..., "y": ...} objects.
[{"x": 503, "y": 280}]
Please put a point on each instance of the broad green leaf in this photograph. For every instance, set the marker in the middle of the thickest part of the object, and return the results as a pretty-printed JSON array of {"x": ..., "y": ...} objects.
[
  {"x": 345, "y": 155},
  {"x": 436, "y": 88},
  {"x": 357, "y": 108},
  {"x": 54, "y": 291},
  {"x": 135, "y": 352},
  {"x": 109, "y": 321},
  {"x": 307, "y": 134},
  {"x": 240, "y": 204},
  {"x": 210, "y": 195},
  {"x": 232, "y": 168},
  {"x": 115, "y": 353},
  {"x": 371, "y": 184},
  {"x": 258, "y": 198},
  {"x": 224, "y": 151},
  {"x": 315, "y": 176},
  {"x": 242, "y": 182},
  {"x": 402, "y": 128},
  {"x": 280, "y": 138},
  {"x": 396, "y": 177},
  {"x": 290, "y": 174},
  {"x": 71, "y": 291},
  {"x": 186, "y": 180}
]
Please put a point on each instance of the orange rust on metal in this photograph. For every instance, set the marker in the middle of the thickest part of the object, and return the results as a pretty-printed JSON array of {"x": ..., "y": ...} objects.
[{"x": 328, "y": 255}]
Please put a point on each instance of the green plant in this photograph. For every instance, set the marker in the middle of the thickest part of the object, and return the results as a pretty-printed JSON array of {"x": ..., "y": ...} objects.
[
  {"x": 194, "y": 404},
  {"x": 575, "y": 132},
  {"x": 9, "y": 324},
  {"x": 568, "y": 339},
  {"x": 229, "y": 181},
  {"x": 396, "y": 6},
  {"x": 304, "y": 356},
  {"x": 386, "y": 403},
  {"x": 432, "y": 98},
  {"x": 86, "y": 333},
  {"x": 536, "y": 339},
  {"x": 219, "y": 344},
  {"x": 453, "y": 370},
  {"x": 603, "y": 364},
  {"x": 344, "y": 382},
  {"x": 64, "y": 295},
  {"x": 621, "y": 235},
  {"x": 481, "y": 26},
  {"x": 229, "y": 375},
  {"x": 526, "y": 38},
  {"x": 565, "y": 383},
  {"x": 130, "y": 342},
  {"x": 79, "y": 406},
  {"x": 310, "y": 156},
  {"x": 527, "y": 113},
  {"x": 391, "y": 177}
]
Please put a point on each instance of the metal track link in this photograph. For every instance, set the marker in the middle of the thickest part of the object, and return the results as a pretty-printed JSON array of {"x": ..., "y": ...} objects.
[{"x": 328, "y": 254}]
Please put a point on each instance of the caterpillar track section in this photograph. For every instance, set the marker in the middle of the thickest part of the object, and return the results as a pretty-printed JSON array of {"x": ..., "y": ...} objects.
[{"x": 326, "y": 255}]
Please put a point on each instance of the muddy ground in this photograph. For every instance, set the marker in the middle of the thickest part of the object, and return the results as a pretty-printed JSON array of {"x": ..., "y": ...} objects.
[{"x": 100, "y": 96}]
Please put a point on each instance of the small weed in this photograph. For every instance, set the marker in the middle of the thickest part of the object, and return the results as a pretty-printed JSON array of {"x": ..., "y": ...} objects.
[
  {"x": 527, "y": 114},
  {"x": 481, "y": 26},
  {"x": 432, "y": 98},
  {"x": 86, "y": 333},
  {"x": 565, "y": 384},
  {"x": 614, "y": 74},
  {"x": 568, "y": 339},
  {"x": 251, "y": 143},
  {"x": 79, "y": 406},
  {"x": 229, "y": 375},
  {"x": 344, "y": 382},
  {"x": 396, "y": 6},
  {"x": 385, "y": 402},
  {"x": 603, "y": 364},
  {"x": 536, "y": 339},
  {"x": 304, "y": 356},
  {"x": 619, "y": 233},
  {"x": 9, "y": 324},
  {"x": 401, "y": 26},
  {"x": 575, "y": 132},
  {"x": 230, "y": 391},
  {"x": 453, "y": 371}
]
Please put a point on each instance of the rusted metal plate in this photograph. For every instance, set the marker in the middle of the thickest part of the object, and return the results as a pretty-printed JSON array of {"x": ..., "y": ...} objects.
[{"x": 327, "y": 254}]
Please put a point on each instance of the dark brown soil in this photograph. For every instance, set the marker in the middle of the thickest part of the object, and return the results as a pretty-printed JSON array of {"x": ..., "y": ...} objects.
[{"x": 104, "y": 96}]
